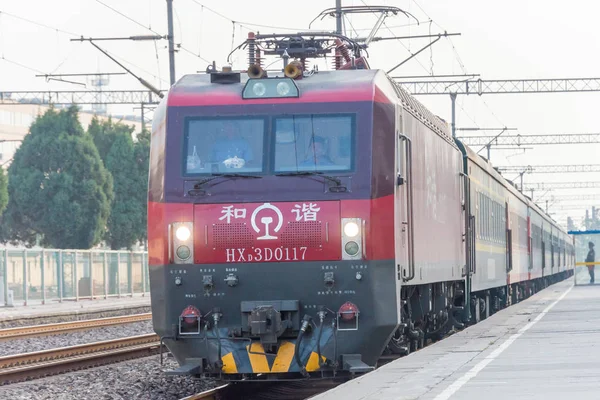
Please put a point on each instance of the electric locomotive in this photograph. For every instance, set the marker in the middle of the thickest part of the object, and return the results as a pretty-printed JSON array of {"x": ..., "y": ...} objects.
[{"x": 282, "y": 216}]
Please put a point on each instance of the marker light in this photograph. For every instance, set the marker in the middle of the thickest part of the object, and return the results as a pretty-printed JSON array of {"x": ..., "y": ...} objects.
[
  {"x": 269, "y": 88},
  {"x": 191, "y": 315},
  {"x": 183, "y": 252},
  {"x": 183, "y": 233},
  {"x": 181, "y": 242},
  {"x": 353, "y": 238},
  {"x": 348, "y": 311},
  {"x": 351, "y": 248},
  {"x": 351, "y": 229}
]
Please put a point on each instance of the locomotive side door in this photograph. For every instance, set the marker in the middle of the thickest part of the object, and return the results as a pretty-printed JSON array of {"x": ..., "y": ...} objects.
[
  {"x": 509, "y": 239},
  {"x": 403, "y": 203}
]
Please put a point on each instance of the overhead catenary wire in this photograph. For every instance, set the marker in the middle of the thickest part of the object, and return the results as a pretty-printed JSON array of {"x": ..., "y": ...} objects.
[
  {"x": 76, "y": 35},
  {"x": 423, "y": 66},
  {"x": 38, "y": 23},
  {"x": 248, "y": 25},
  {"x": 180, "y": 45},
  {"x": 458, "y": 58},
  {"x": 21, "y": 65}
]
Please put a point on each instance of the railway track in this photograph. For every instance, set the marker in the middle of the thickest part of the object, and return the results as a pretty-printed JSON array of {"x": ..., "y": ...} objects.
[
  {"x": 73, "y": 326},
  {"x": 211, "y": 394},
  {"x": 299, "y": 390},
  {"x": 26, "y": 366},
  {"x": 273, "y": 390}
]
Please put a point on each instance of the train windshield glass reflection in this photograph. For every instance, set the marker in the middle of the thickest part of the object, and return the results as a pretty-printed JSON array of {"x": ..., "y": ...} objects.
[
  {"x": 224, "y": 145},
  {"x": 314, "y": 143}
]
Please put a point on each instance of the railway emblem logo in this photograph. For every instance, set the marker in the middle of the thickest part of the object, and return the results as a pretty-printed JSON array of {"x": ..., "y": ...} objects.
[{"x": 266, "y": 221}]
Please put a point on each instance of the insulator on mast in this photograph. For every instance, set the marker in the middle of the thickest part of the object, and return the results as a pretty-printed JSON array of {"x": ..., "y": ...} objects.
[
  {"x": 343, "y": 50},
  {"x": 251, "y": 48},
  {"x": 337, "y": 59},
  {"x": 305, "y": 64}
]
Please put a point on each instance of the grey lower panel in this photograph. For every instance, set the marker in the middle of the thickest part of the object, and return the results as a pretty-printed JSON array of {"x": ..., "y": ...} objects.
[{"x": 313, "y": 286}]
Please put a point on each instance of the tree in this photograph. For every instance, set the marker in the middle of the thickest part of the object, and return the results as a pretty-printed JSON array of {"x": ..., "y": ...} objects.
[
  {"x": 142, "y": 160},
  {"x": 105, "y": 133},
  {"x": 58, "y": 187},
  {"x": 126, "y": 212},
  {"x": 3, "y": 190},
  {"x": 128, "y": 164}
]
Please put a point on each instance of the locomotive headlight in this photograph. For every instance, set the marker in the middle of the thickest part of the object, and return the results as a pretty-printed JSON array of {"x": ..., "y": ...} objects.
[
  {"x": 183, "y": 233},
  {"x": 283, "y": 88},
  {"x": 351, "y": 229},
  {"x": 352, "y": 238},
  {"x": 181, "y": 243},
  {"x": 270, "y": 88},
  {"x": 259, "y": 89}
]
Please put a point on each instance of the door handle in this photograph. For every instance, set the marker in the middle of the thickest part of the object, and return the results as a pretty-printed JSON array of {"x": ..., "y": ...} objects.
[{"x": 400, "y": 180}]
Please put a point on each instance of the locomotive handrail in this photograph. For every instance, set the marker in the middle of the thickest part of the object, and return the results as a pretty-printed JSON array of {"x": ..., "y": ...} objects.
[
  {"x": 411, "y": 247},
  {"x": 169, "y": 240}
]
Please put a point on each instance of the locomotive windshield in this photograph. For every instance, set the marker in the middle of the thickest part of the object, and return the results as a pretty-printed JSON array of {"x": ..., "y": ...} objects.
[
  {"x": 307, "y": 142},
  {"x": 222, "y": 145},
  {"x": 313, "y": 143}
]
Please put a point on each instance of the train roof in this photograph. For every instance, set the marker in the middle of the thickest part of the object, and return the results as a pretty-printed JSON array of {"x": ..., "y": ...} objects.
[
  {"x": 357, "y": 80},
  {"x": 200, "y": 84},
  {"x": 422, "y": 113}
]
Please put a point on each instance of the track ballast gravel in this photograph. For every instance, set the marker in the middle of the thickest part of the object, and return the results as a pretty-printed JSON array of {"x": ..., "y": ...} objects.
[
  {"x": 138, "y": 379},
  {"x": 68, "y": 317},
  {"x": 31, "y": 344}
]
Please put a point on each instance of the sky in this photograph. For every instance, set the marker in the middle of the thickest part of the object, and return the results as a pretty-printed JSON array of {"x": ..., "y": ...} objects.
[{"x": 513, "y": 39}]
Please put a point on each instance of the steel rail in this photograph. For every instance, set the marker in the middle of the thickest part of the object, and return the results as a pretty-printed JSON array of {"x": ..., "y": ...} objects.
[
  {"x": 72, "y": 326},
  {"x": 26, "y": 366},
  {"x": 211, "y": 394}
]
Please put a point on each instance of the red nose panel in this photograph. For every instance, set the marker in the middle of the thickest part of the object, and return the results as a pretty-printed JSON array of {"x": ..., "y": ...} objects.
[{"x": 267, "y": 232}]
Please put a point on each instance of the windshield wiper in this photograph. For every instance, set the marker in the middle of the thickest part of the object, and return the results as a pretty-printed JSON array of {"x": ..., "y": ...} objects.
[
  {"x": 223, "y": 175},
  {"x": 335, "y": 180}
]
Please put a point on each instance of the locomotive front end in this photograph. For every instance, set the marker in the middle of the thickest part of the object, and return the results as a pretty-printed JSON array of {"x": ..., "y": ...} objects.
[{"x": 272, "y": 287}]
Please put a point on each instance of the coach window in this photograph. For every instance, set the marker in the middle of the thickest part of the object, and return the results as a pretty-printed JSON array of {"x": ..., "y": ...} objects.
[
  {"x": 487, "y": 218},
  {"x": 478, "y": 213},
  {"x": 496, "y": 222},
  {"x": 224, "y": 145},
  {"x": 314, "y": 143}
]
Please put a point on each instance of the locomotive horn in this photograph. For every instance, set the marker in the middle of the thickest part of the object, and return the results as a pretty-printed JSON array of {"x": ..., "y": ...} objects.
[
  {"x": 255, "y": 71},
  {"x": 293, "y": 70}
]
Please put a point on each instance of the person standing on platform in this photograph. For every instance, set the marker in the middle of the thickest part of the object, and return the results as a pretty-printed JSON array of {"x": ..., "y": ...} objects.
[{"x": 591, "y": 257}]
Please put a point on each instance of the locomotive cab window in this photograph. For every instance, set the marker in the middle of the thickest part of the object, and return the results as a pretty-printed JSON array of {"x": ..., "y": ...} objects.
[
  {"x": 314, "y": 143},
  {"x": 224, "y": 145}
]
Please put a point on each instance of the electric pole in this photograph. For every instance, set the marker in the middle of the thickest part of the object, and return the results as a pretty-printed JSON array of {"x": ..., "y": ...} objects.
[
  {"x": 453, "y": 99},
  {"x": 172, "y": 40},
  {"x": 338, "y": 17}
]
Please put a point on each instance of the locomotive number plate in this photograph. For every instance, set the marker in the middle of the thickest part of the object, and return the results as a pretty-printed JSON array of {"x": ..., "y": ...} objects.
[{"x": 266, "y": 254}]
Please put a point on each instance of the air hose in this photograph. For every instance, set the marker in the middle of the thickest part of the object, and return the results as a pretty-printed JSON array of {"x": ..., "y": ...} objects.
[
  {"x": 322, "y": 315},
  {"x": 303, "y": 328},
  {"x": 216, "y": 317}
]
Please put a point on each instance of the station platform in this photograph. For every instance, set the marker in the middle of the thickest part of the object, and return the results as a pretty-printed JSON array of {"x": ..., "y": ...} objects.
[
  {"x": 546, "y": 347},
  {"x": 70, "y": 307}
]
